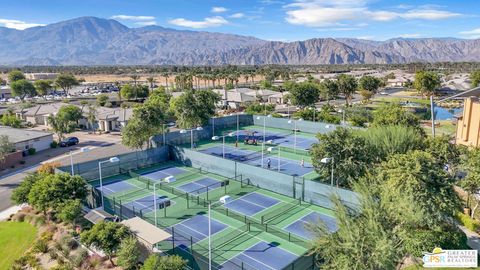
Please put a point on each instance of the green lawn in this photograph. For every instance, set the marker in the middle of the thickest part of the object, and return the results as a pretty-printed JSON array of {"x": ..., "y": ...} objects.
[{"x": 15, "y": 239}]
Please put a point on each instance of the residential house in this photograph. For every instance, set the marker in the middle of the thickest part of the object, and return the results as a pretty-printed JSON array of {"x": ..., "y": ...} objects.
[
  {"x": 278, "y": 98},
  {"x": 5, "y": 91},
  {"x": 107, "y": 119},
  {"x": 23, "y": 139},
  {"x": 468, "y": 124}
]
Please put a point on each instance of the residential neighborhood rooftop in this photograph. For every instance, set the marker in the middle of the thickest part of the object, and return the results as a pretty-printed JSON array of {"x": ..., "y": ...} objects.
[{"x": 16, "y": 135}]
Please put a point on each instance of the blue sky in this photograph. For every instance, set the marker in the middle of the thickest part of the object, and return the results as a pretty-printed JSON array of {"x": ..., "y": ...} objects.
[{"x": 284, "y": 20}]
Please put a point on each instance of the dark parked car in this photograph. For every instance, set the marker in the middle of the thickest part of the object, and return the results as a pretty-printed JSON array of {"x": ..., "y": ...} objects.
[{"x": 69, "y": 141}]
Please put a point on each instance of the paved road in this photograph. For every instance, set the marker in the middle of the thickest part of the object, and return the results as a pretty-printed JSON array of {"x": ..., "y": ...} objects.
[{"x": 101, "y": 146}]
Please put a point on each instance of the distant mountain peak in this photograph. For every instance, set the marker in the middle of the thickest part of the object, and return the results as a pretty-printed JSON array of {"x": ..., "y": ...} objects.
[{"x": 97, "y": 41}]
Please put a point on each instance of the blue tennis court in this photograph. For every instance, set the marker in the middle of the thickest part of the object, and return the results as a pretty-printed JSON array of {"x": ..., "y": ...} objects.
[
  {"x": 163, "y": 173},
  {"x": 251, "y": 204},
  {"x": 287, "y": 166},
  {"x": 116, "y": 187},
  {"x": 146, "y": 204},
  {"x": 200, "y": 186},
  {"x": 193, "y": 230},
  {"x": 286, "y": 139},
  {"x": 300, "y": 227},
  {"x": 232, "y": 153},
  {"x": 261, "y": 256}
]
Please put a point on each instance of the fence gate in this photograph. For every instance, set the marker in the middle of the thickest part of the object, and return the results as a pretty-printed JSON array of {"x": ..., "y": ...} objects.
[{"x": 299, "y": 188}]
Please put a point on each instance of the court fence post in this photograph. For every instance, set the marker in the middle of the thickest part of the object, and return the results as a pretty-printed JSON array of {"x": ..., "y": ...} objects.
[
  {"x": 120, "y": 202},
  {"x": 173, "y": 240},
  {"x": 191, "y": 244}
]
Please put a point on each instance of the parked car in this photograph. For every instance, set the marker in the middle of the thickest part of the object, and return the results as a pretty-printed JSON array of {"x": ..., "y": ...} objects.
[{"x": 69, "y": 141}]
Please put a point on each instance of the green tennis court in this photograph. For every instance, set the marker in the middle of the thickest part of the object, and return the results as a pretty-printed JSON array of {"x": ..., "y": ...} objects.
[{"x": 251, "y": 218}]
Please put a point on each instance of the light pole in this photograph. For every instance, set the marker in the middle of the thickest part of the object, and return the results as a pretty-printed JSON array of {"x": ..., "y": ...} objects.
[
  {"x": 111, "y": 160},
  {"x": 213, "y": 126},
  {"x": 215, "y": 138},
  {"x": 82, "y": 150},
  {"x": 342, "y": 111},
  {"x": 432, "y": 108},
  {"x": 327, "y": 160},
  {"x": 163, "y": 132},
  {"x": 183, "y": 131},
  {"x": 155, "y": 201},
  {"x": 270, "y": 149},
  {"x": 295, "y": 133},
  {"x": 210, "y": 233},
  {"x": 263, "y": 141}
]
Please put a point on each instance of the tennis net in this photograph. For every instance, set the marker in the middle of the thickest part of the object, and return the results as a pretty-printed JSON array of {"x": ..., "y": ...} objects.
[
  {"x": 280, "y": 211},
  {"x": 140, "y": 178}
]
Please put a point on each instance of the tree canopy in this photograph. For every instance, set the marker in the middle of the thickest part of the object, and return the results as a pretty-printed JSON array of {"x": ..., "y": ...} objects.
[
  {"x": 66, "y": 81},
  {"x": 23, "y": 88},
  {"x": 106, "y": 236},
  {"x": 15, "y": 75},
  {"x": 52, "y": 190},
  {"x": 194, "y": 108},
  {"x": 351, "y": 155},
  {"x": 347, "y": 85},
  {"x": 156, "y": 262},
  {"x": 42, "y": 86},
  {"x": 427, "y": 82},
  {"x": 475, "y": 78},
  {"x": 6, "y": 147},
  {"x": 328, "y": 90},
  {"x": 304, "y": 94},
  {"x": 136, "y": 91},
  {"x": 395, "y": 115},
  {"x": 66, "y": 120}
]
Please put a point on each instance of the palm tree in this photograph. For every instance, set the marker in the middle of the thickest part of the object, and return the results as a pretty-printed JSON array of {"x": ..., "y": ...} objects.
[
  {"x": 151, "y": 81},
  {"x": 135, "y": 78},
  {"x": 166, "y": 75},
  {"x": 92, "y": 117}
]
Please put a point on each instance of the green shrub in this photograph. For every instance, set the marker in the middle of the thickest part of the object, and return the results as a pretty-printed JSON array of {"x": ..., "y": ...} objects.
[
  {"x": 80, "y": 257},
  {"x": 53, "y": 253},
  {"x": 47, "y": 236},
  {"x": 426, "y": 240},
  {"x": 20, "y": 217},
  {"x": 53, "y": 144},
  {"x": 32, "y": 151},
  {"x": 468, "y": 222},
  {"x": 41, "y": 246}
]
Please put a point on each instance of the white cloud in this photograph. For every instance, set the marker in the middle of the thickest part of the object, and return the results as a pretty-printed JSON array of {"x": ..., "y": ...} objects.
[
  {"x": 133, "y": 18},
  {"x": 237, "y": 15},
  {"x": 16, "y": 24},
  {"x": 206, "y": 23},
  {"x": 429, "y": 14},
  {"x": 366, "y": 37},
  {"x": 327, "y": 13},
  {"x": 219, "y": 9},
  {"x": 410, "y": 35},
  {"x": 475, "y": 33},
  {"x": 146, "y": 23}
]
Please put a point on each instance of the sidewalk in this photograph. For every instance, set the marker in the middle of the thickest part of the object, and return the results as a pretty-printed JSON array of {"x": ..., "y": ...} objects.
[
  {"x": 5, "y": 214},
  {"x": 473, "y": 238}
]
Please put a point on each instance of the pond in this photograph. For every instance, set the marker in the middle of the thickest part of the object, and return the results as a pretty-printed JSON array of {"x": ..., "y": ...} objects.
[{"x": 441, "y": 113}]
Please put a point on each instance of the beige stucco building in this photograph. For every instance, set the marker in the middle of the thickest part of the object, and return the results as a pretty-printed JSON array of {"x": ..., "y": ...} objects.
[{"x": 468, "y": 125}]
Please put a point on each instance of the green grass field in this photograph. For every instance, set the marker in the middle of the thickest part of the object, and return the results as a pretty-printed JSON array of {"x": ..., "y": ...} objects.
[
  {"x": 15, "y": 239},
  {"x": 231, "y": 241}
]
